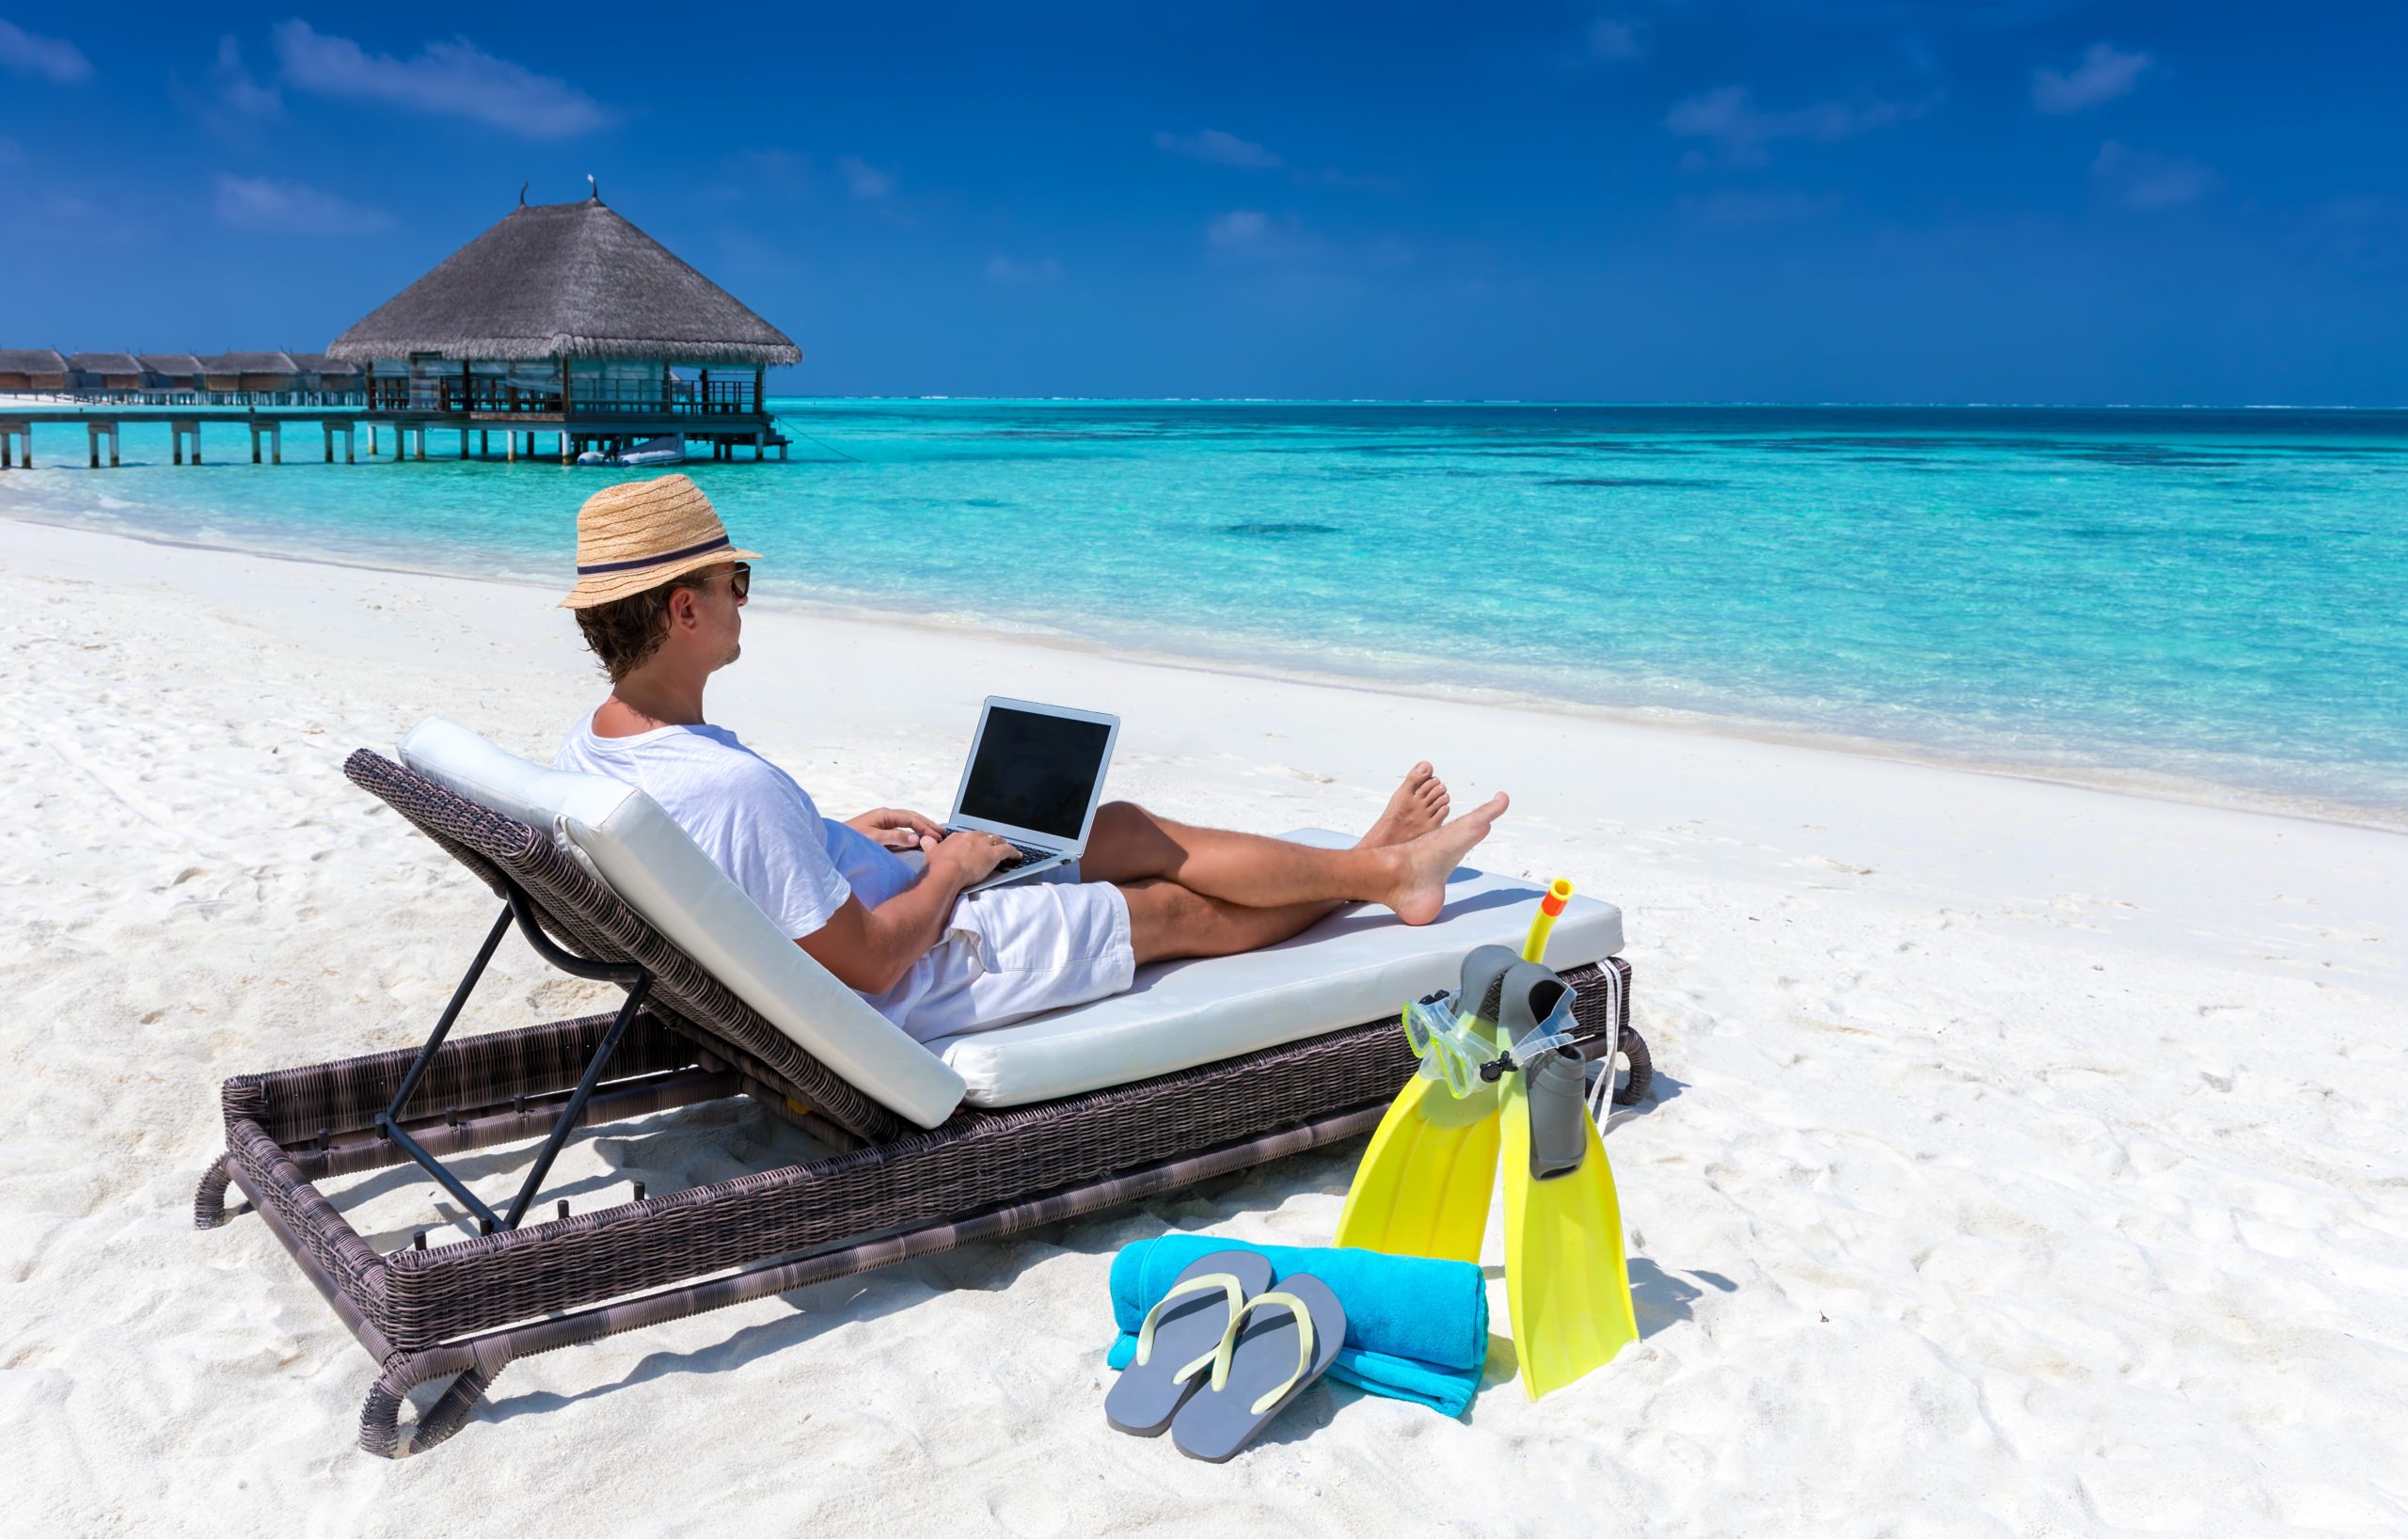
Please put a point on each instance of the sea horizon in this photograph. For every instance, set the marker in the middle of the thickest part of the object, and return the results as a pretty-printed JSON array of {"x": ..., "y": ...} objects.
[{"x": 2196, "y": 611}]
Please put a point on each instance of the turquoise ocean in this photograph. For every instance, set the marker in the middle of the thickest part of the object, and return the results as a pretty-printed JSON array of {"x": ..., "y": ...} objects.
[{"x": 2216, "y": 596}]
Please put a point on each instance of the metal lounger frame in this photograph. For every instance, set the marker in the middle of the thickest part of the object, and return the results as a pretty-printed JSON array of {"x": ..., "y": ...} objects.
[{"x": 891, "y": 1192}]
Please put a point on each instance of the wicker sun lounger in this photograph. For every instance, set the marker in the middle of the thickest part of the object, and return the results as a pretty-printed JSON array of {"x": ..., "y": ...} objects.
[{"x": 892, "y": 1191}]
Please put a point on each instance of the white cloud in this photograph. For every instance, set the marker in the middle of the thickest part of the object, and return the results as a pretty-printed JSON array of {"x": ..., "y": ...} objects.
[
  {"x": 55, "y": 59},
  {"x": 2146, "y": 181},
  {"x": 1003, "y": 269},
  {"x": 454, "y": 79},
  {"x": 241, "y": 94},
  {"x": 1729, "y": 118},
  {"x": 2104, "y": 74},
  {"x": 1252, "y": 235},
  {"x": 291, "y": 208},
  {"x": 1239, "y": 229},
  {"x": 1216, "y": 148},
  {"x": 1613, "y": 40},
  {"x": 866, "y": 181}
]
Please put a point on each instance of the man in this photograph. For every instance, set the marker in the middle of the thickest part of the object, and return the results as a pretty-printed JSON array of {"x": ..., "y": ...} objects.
[{"x": 660, "y": 599}]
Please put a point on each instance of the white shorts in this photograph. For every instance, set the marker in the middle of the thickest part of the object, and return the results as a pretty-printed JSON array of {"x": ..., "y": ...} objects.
[{"x": 1015, "y": 951}]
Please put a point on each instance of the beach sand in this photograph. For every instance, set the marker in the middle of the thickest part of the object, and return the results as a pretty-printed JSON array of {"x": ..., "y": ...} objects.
[{"x": 2025, "y": 1158}]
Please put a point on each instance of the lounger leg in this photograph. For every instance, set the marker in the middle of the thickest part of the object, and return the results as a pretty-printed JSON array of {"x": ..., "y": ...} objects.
[
  {"x": 1642, "y": 1070},
  {"x": 473, "y": 1371},
  {"x": 209, "y": 1204}
]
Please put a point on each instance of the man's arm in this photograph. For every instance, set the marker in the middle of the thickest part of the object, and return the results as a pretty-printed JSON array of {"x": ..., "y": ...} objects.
[{"x": 870, "y": 949}]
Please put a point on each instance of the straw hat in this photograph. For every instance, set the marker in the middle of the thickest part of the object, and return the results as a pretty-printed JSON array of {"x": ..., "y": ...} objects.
[{"x": 641, "y": 533}]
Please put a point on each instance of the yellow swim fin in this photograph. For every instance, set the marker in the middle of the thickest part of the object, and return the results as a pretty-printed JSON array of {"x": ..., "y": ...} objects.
[
  {"x": 1567, "y": 1283},
  {"x": 1424, "y": 1186},
  {"x": 1426, "y": 1181}
]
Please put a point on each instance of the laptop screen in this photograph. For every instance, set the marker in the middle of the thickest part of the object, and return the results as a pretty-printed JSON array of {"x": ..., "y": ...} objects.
[{"x": 1035, "y": 771}]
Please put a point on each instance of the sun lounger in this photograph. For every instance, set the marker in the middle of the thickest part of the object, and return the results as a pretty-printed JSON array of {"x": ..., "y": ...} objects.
[{"x": 1204, "y": 1069}]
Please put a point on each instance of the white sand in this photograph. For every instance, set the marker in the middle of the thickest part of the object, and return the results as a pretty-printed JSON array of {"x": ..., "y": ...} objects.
[{"x": 2028, "y": 1159}]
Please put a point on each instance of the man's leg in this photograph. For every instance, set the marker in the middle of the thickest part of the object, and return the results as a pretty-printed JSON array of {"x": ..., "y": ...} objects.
[
  {"x": 1168, "y": 921},
  {"x": 1128, "y": 845}
]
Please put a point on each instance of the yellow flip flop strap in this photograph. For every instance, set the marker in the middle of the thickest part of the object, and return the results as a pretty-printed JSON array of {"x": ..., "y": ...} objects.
[
  {"x": 1222, "y": 1355},
  {"x": 1224, "y": 1282}
]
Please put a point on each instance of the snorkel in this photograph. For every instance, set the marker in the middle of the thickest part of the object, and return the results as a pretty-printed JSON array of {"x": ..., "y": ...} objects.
[{"x": 1559, "y": 893}]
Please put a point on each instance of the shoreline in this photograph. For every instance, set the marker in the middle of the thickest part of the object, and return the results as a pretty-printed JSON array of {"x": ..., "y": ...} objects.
[{"x": 2145, "y": 784}]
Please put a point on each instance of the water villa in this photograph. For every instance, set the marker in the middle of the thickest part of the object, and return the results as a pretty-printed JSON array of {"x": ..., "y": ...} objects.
[
  {"x": 25, "y": 369},
  {"x": 103, "y": 374},
  {"x": 565, "y": 319},
  {"x": 174, "y": 377}
]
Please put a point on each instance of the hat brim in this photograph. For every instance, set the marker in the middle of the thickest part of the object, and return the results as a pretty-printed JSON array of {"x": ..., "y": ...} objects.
[{"x": 610, "y": 587}]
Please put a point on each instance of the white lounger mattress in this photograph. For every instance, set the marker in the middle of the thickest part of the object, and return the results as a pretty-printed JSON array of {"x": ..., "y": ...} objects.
[{"x": 1357, "y": 965}]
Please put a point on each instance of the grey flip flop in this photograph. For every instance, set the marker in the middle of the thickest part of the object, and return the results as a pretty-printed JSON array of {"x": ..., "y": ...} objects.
[
  {"x": 1180, "y": 1338},
  {"x": 1273, "y": 1351}
]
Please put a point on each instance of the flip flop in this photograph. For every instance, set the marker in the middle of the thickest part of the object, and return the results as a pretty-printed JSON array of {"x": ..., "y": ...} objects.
[
  {"x": 1181, "y": 1336},
  {"x": 1271, "y": 1351}
]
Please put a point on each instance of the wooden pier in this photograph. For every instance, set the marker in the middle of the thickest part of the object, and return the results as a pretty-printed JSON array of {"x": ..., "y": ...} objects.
[{"x": 523, "y": 433}]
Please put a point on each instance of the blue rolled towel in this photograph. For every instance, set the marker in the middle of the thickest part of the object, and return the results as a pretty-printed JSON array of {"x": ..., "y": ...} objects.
[{"x": 1415, "y": 1328}]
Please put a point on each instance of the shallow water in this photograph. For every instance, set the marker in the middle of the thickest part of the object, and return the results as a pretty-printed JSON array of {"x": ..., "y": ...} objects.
[{"x": 2211, "y": 594}]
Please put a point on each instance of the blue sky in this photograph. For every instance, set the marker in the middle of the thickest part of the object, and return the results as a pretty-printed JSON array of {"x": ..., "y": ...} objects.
[{"x": 1651, "y": 200}]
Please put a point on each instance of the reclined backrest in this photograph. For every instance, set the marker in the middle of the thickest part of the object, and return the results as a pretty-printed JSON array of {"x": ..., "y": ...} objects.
[{"x": 621, "y": 837}]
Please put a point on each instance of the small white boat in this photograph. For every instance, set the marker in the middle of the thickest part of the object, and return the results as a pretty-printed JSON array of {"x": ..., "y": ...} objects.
[{"x": 668, "y": 450}]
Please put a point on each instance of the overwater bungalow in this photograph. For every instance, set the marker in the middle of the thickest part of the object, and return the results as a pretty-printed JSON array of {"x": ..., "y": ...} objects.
[
  {"x": 32, "y": 370},
  {"x": 249, "y": 376},
  {"x": 324, "y": 379},
  {"x": 103, "y": 374},
  {"x": 170, "y": 376},
  {"x": 565, "y": 319}
]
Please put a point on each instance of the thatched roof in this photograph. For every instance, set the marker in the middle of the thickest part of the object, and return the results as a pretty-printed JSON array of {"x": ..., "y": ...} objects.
[
  {"x": 31, "y": 360},
  {"x": 566, "y": 280},
  {"x": 103, "y": 363},
  {"x": 320, "y": 364},
  {"x": 248, "y": 363},
  {"x": 174, "y": 365}
]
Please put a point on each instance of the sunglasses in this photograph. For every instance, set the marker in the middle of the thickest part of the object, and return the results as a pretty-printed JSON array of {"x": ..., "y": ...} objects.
[{"x": 741, "y": 587}]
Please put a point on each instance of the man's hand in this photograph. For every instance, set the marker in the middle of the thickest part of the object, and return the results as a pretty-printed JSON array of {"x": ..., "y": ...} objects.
[
  {"x": 870, "y": 949},
  {"x": 969, "y": 856},
  {"x": 896, "y": 828}
]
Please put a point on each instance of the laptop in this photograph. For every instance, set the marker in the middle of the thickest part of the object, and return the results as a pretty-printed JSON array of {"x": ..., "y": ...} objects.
[{"x": 1034, "y": 777}]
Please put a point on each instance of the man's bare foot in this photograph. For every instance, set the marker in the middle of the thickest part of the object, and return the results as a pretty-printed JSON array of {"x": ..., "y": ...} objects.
[
  {"x": 1420, "y": 805},
  {"x": 1420, "y": 888}
]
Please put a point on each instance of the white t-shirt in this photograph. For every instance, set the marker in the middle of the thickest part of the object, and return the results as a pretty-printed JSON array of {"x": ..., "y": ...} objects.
[{"x": 750, "y": 817}]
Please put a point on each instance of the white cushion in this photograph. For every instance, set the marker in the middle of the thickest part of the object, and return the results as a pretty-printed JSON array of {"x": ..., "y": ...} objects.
[
  {"x": 624, "y": 838},
  {"x": 1357, "y": 965}
]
